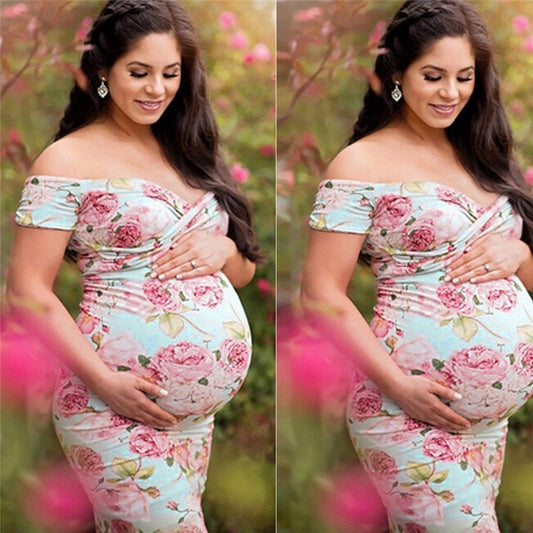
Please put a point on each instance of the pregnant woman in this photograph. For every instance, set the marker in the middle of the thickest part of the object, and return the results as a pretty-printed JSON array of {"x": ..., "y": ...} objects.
[
  {"x": 134, "y": 190},
  {"x": 429, "y": 192}
]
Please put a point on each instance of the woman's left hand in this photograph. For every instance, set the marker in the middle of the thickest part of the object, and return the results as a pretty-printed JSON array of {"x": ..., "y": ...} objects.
[
  {"x": 488, "y": 258},
  {"x": 197, "y": 253}
]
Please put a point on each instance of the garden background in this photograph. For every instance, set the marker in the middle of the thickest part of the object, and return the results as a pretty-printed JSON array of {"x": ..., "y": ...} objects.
[
  {"x": 40, "y": 54},
  {"x": 325, "y": 50}
]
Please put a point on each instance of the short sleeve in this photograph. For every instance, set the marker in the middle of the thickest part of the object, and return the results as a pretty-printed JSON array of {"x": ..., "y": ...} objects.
[
  {"x": 48, "y": 203},
  {"x": 343, "y": 206}
]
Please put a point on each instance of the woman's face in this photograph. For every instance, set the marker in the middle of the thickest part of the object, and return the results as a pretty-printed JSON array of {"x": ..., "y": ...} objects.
[
  {"x": 143, "y": 82},
  {"x": 437, "y": 85}
]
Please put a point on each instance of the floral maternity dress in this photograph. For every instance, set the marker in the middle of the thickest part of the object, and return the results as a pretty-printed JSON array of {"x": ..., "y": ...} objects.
[
  {"x": 476, "y": 339},
  {"x": 190, "y": 337}
]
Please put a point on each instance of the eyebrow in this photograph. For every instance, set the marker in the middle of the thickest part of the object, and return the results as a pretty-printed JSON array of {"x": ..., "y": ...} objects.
[
  {"x": 444, "y": 70},
  {"x": 176, "y": 64}
]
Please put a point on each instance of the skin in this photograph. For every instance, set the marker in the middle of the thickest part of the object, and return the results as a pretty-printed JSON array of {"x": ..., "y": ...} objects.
[
  {"x": 126, "y": 147},
  {"x": 436, "y": 87}
]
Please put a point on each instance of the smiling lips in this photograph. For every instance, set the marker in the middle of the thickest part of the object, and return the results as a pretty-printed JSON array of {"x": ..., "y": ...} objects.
[
  {"x": 444, "y": 109},
  {"x": 148, "y": 105}
]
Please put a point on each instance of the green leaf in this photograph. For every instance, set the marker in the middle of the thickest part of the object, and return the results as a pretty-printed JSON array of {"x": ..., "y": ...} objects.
[
  {"x": 124, "y": 467},
  {"x": 497, "y": 385},
  {"x": 410, "y": 221},
  {"x": 437, "y": 364},
  {"x": 153, "y": 492},
  {"x": 35, "y": 181},
  {"x": 464, "y": 327},
  {"x": 416, "y": 372},
  {"x": 143, "y": 360},
  {"x": 151, "y": 318},
  {"x": 122, "y": 368},
  {"x": 463, "y": 465},
  {"x": 446, "y": 495},
  {"x": 328, "y": 185},
  {"x": 417, "y": 187},
  {"x": 235, "y": 330},
  {"x": 418, "y": 471},
  {"x": 169, "y": 461},
  {"x": 445, "y": 322},
  {"x": 525, "y": 333},
  {"x": 89, "y": 229},
  {"x": 383, "y": 232},
  {"x": 439, "y": 477},
  {"x": 511, "y": 358},
  {"x": 171, "y": 324},
  {"x": 145, "y": 473},
  {"x": 476, "y": 300},
  {"x": 203, "y": 381},
  {"x": 218, "y": 355},
  {"x": 116, "y": 217}
]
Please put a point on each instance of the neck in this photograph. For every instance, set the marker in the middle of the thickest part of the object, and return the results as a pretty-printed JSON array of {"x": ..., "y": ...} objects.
[
  {"x": 419, "y": 131},
  {"x": 124, "y": 127}
]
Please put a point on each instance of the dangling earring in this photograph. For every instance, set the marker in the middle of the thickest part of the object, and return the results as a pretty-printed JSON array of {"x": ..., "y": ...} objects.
[
  {"x": 102, "y": 90},
  {"x": 396, "y": 93}
]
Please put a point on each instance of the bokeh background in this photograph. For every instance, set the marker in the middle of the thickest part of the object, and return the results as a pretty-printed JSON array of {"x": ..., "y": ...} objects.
[
  {"x": 41, "y": 41},
  {"x": 325, "y": 50}
]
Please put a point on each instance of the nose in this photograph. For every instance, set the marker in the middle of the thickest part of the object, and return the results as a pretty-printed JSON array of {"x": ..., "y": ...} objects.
[
  {"x": 450, "y": 90},
  {"x": 155, "y": 86}
]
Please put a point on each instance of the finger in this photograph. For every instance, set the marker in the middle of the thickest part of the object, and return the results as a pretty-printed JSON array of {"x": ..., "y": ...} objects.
[
  {"x": 179, "y": 263},
  {"x": 463, "y": 265},
  {"x": 185, "y": 238},
  {"x": 171, "y": 255},
  {"x": 202, "y": 270}
]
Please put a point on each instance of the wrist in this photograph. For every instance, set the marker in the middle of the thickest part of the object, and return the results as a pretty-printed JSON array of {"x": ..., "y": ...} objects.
[
  {"x": 232, "y": 251},
  {"x": 526, "y": 255}
]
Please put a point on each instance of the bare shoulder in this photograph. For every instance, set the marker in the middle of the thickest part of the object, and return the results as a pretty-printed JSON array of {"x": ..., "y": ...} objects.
[
  {"x": 365, "y": 160},
  {"x": 66, "y": 157}
]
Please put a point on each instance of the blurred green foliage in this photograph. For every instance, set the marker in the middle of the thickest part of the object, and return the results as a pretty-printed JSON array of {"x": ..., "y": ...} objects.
[
  {"x": 323, "y": 51},
  {"x": 39, "y": 41}
]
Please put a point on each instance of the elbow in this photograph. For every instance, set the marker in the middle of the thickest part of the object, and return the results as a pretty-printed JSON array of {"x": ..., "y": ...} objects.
[{"x": 22, "y": 297}]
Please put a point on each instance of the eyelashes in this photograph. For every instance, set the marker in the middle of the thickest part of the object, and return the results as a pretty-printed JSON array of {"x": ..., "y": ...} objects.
[
  {"x": 143, "y": 74},
  {"x": 437, "y": 78}
]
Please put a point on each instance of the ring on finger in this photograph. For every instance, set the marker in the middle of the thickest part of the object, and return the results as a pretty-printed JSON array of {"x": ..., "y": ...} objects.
[
  {"x": 486, "y": 266},
  {"x": 193, "y": 263}
]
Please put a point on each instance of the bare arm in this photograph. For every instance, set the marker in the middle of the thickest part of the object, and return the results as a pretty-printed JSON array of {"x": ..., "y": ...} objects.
[
  {"x": 330, "y": 261},
  {"x": 36, "y": 258}
]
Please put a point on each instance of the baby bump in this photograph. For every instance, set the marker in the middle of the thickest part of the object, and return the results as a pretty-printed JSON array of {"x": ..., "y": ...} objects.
[{"x": 191, "y": 338}]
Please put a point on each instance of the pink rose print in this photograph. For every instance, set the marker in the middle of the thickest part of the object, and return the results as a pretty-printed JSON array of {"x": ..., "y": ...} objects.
[
  {"x": 148, "y": 442},
  {"x": 72, "y": 399},
  {"x": 87, "y": 322},
  {"x": 381, "y": 464},
  {"x": 457, "y": 298},
  {"x": 98, "y": 208},
  {"x": 126, "y": 232},
  {"x": 474, "y": 456},
  {"x": 204, "y": 290},
  {"x": 154, "y": 191},
  {"x": 499, "y": 294},
  {"x": 123, "y": 498},
  {"x": 121, "y": 526},
  {"x": 414, "y": 528},
  {"x": 477, "y": 366},
  {"x": 448, "y": 195},
  {"x": 420, "y": 235},
  {"x": 365, "y": 403},
  {"x": 420, "y": 503},
  {"x": 443, "y": 446},
  {"x": 333, "y": 197},
  {"x": 121, "y": 350},
  {"x": 87, "y": 461},
  {"x": 524, "y": 356},
  {"x": 237, "y": 354},
  {"x": 183, "y": 362},
  {"x": 381, "y": 326},
  {"x": 392, "y": 211},
  {"x": 415, "y": 354},
  {"x": 158, "y": 292}
]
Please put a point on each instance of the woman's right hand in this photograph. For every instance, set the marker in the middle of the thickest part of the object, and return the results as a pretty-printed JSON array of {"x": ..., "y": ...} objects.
[
  {"x": 126, "y": 394},
  {"x": 422, "y": 399}
]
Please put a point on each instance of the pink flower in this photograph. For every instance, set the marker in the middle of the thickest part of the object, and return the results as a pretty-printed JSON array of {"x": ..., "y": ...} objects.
[
  {"x": 375, "y": 36},
  {"x": 524, "y": 357},
  {"x": 392, "y": 211},
  {"x": 172, "y": 505},
  {"x": 414, "y": 528},
  {"x": 239, "y": 173},
  {"x": 121, "y": 350},
  {"x": 477, "y": 366},
  {"x": 123, "y": 498},
  {"x": 238, "y": 40},
  {"x": 457, "y": 298},
  {"x": 126, "y": 232},
  {"x": 442, "y": 446},
  {"x": 521, "y": 24},
  {"x": 351, "y": 499},
  {"x": 157, "y": 292},
  {"x": 267, "y": 150},
  {"x": 475, "y": 455},
  {"x": 529, "y": 175},
  {"x": 227, "y": 20},
  {"x": 420, "y": 503},
  {"x": 415, "y": 354},
  {"x": 381, "y": 464},
  {"x": 121, "y": 526},
  {"x": 97, "y": 207},
  {"x": 500, "y": 294},
  {"x": 205, "y": 291},
  {"x": 148, "y": 442},
  {"x": 365, "y": 403},
  {"x": 528, "y": 44},
  {"x": 83, "y": 29},
  {"x": 57, "y": 500},
  {"x": 467, "y": 509},
  {"x": 380, "y": 326},
  {"x": 260, "y": 53},
  {"x": 264, "y": 287},
  {"x": 16, "y": 10},
  {"x": 154, "y": 191},
  {"x": 87, "y": 461},
  {"x": 72, "y": 400},
  {"x": 183, "y": 362},
  {"x": 87, "y": 323},
  {"x": 237, "y": 354},
  {"x": 306, "y": 15}
]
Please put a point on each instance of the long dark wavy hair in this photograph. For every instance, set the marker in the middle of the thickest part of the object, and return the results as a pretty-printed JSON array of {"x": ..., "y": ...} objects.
[
  {"x": 481, "y": 135},
  {"x": 187, "y": 131}
]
